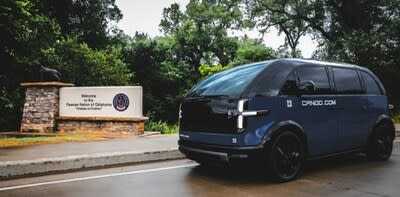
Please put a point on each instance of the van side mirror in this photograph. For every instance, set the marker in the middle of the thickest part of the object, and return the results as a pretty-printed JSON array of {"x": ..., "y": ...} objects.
[
  {"x": 306, "y": 87},
  {"x": 391, "y": 109}
]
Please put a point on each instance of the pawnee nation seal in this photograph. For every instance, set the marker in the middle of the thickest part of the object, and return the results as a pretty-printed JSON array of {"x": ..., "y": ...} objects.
[{"x": 121, "y": 102}]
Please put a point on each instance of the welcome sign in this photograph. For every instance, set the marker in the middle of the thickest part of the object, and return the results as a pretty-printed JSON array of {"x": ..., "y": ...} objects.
[{"x": 110, "y": 101}]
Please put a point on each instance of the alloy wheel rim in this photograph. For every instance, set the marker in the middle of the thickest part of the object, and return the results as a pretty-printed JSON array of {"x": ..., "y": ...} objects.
[
  {"x": 383, "y": 143},
  {"x": 288, "y": 156}
]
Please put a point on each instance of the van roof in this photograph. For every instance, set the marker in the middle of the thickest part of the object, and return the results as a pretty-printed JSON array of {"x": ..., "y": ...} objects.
[{"x": 300, "y": 62}]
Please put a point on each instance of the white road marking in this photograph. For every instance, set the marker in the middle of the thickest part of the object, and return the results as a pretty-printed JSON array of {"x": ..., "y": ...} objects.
[{"x": 96, "y": 177}]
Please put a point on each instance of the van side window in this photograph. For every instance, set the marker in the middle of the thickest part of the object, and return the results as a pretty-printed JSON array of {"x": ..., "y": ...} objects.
[
  {"x": 371, "y": 87},
  {"x": 347, "y": 81},
  {"x": 290, "y": 86},
  {"x": 318, "y": 75}
]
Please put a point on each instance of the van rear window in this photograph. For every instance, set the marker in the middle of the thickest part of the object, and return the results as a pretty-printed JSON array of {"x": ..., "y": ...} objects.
[
  {"x": 231, "y": 82},
  {"x": 371, "y": 87}
]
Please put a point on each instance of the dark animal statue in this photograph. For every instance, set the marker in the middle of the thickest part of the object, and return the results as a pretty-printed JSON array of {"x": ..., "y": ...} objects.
[{"x": 47, "y": 74}]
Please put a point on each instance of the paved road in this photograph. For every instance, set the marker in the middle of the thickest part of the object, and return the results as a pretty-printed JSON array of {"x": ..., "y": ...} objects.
[{"x": 343, "y": 176}]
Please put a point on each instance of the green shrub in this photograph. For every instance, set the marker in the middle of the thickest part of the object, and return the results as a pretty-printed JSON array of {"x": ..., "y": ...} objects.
[
  {"x": 84, "y": 66},
  {"x": 207, "y": 70},
  {"x": 161, "y": 126},
  {"x": 396, "y": 118}
]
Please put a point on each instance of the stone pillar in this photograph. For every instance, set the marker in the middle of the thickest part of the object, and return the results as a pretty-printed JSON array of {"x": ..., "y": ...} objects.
[{"x": 41, "y": 106}]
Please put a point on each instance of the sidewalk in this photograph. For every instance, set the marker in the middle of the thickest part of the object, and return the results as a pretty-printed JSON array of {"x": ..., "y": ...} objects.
[{"x": 45, "y": 158}]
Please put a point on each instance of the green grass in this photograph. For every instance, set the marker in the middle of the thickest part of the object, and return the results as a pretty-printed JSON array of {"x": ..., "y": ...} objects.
[
  {"x": 396, "y": 118},
  {"x": 47, "y": 138},
  {"x": 162, "y": 127},
  {"x": 13, "y": 141}
]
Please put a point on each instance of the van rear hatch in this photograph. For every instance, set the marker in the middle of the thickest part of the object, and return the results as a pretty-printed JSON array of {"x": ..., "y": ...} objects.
[{"x": 208, "y": 114}]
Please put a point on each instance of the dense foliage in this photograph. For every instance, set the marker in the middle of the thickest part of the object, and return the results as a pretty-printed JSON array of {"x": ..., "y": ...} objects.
[
  {"x": 63, "y": 36},
  {"x": 77, "y": 38},
  {"x": 85, "y": 66},
  {"x": 363, "y": 32}
]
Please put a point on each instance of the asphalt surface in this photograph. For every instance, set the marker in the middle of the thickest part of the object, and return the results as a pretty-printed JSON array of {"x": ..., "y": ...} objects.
[{"x": 349, "y": 175}]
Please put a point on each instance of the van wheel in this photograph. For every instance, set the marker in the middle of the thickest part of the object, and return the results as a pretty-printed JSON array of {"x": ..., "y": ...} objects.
[
  {"x": 286, "y": 156},
  {"x": 381, "y": 144}
]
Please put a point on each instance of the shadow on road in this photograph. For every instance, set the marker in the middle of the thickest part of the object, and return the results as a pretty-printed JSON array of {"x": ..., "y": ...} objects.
[{"x": 355, "y": 163}]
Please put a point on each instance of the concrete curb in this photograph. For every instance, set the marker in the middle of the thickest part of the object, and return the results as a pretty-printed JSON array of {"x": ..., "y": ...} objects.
[
  {"x": 58, "y": 164},
  {"x": 397, "y": 128}
]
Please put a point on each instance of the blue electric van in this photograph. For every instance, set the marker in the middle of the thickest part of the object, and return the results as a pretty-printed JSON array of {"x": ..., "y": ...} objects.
[{"x": 279, "y": 113}]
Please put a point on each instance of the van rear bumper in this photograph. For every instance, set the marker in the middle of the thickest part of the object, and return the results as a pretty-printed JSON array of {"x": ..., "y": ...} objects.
[{"x": 206, "y": 153}]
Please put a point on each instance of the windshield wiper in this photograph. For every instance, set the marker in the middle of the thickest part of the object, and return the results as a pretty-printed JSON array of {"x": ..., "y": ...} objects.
[
  {"x": 217, "y": 96},
  {"x": 201, "y": 97}
]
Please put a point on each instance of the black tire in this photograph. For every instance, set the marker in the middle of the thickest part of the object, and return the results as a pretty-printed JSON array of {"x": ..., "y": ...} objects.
[
  {"x": 286, "y": 157},
  {"x": 381, "y": 143}
]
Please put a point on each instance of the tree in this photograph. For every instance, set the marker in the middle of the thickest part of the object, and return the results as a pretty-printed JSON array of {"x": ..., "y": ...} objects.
[
  {"x": 89, "y": 20},
  {"x": 201, "y": 31},
  {"x": 165, "y": 77},
  {"x": 275, "y": 13},
  {"x": 364, "y": 32},
  {"x": 249, "y": 51},
  {"x": 84, "y": 66},
  {"x": 23, "y": 32},
  {"x": 32, "y": 29},
  {"x": 252, "y": 50}
]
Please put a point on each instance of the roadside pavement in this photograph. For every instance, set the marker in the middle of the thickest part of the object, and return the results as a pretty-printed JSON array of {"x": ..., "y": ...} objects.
[{"x": 45, "y": 158}]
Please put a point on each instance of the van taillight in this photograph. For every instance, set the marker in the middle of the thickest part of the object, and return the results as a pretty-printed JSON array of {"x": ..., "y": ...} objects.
[{"x": 242, "y": 113}]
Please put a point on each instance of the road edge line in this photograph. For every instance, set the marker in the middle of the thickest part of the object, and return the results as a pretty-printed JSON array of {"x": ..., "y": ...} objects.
[{"x": 95, "y": 177}]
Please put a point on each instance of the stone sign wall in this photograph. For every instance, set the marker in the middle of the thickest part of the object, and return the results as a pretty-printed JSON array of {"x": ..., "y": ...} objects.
[
  {"x": 53, "y": 106},
  {"x": 111, "y": 101}
]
